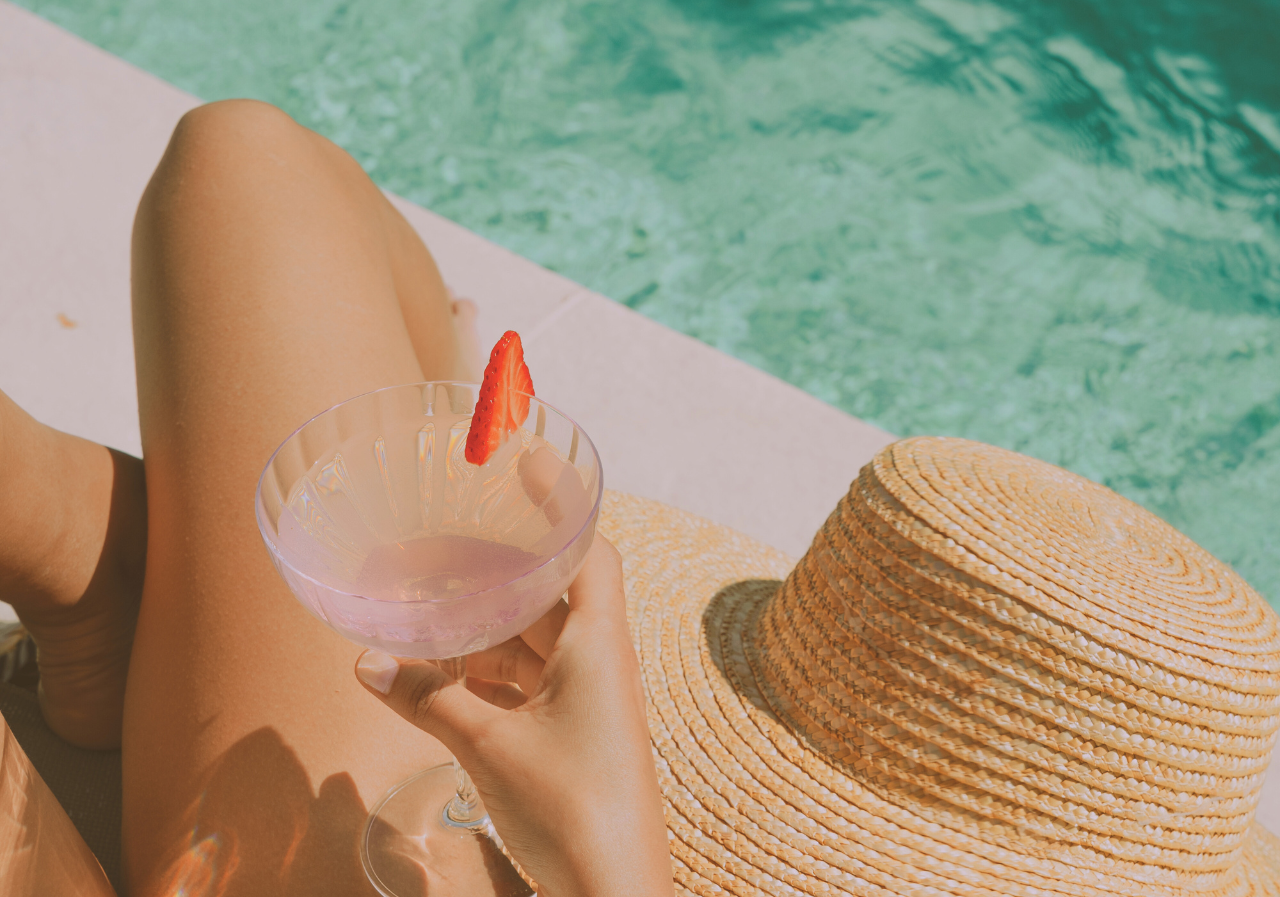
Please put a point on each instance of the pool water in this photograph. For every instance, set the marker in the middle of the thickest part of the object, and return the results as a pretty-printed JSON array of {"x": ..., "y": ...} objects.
[{"x": 1054, "y": 226}]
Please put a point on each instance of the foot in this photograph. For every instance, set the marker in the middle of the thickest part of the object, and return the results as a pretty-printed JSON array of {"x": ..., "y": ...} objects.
[{"x": 75, "y": 579}]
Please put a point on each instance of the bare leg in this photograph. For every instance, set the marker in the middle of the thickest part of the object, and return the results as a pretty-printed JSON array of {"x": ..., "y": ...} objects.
[
  {"x": 271, "y": 280},
  {"x": 71, "y": 562}
]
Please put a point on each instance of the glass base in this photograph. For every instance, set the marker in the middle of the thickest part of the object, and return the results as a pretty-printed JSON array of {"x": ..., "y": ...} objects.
[{"x": 410, "y": 848}]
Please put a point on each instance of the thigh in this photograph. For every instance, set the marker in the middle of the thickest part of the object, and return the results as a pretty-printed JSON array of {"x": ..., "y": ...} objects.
[{"x": 271, "y": 280}]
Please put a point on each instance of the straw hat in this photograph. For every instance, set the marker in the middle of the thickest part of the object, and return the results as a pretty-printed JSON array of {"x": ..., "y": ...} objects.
[{"x": 986, "y": 676}]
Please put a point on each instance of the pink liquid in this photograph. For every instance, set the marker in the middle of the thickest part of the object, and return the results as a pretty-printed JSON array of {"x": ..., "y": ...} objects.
[
  {"x": 440, "y": 561},
  {"x": 437, "y": 568},
  {"x": 446, "y": 595}
]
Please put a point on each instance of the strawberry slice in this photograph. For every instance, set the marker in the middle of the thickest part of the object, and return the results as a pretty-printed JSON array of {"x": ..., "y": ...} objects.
[{"x": 504, "y": 399}]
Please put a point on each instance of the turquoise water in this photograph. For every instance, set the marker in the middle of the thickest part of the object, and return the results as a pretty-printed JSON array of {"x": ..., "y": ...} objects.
[{"x": 1054, "y": 226}]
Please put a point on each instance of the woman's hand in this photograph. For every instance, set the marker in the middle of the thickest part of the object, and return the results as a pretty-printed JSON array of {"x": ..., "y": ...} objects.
[{"x": 552, "y": 729}]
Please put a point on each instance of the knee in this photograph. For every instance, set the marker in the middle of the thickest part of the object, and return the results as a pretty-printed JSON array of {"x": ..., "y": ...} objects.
[
  {"x": 222, "y": 145},
  {"x": 231, "y": 126},
  {"x": 235, "y": 133}
]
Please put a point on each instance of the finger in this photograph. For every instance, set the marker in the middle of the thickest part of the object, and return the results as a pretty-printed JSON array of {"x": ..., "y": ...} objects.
[
  {"x": 555, "y": 486},
  {"x": 542, "y": 635},
  {"x": 499, "y": 694},
  {"x": 539, "y": 472},
  {"x": 597, "y": 591},
  {"x": 511, "y": 661},
  {"x": 426, "y": 696}
]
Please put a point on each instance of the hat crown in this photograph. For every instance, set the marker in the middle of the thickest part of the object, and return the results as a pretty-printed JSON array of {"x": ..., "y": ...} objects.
[{"x": 1004, "y": 647}]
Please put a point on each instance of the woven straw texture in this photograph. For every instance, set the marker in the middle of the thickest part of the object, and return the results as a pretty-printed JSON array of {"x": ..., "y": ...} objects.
[{"x": 986, "y": 676}]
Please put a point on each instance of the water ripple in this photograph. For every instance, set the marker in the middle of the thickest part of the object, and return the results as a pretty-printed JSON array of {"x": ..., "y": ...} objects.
[{"x": 1052, "y": 225}]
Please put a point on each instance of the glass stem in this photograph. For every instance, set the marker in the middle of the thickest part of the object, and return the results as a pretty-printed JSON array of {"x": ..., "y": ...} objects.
[{"x": 465, "y": 809}]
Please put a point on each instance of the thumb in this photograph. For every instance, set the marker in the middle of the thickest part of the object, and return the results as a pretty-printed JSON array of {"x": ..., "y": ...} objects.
[{"x": 426, "y": 696}]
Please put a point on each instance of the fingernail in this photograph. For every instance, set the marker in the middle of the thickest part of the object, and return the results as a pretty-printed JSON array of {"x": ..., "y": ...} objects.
[{"x": 377, "y": 670}]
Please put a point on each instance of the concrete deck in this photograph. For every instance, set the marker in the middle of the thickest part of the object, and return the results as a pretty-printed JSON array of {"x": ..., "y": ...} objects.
[{"x": 81, "y": 131}]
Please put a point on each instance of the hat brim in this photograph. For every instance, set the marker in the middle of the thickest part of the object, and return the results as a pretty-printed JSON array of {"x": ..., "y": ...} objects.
[{"x": 751, "y": 808}]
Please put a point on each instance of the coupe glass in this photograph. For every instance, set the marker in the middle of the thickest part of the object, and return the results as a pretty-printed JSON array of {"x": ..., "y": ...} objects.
[{"x": 385, "y": 532}]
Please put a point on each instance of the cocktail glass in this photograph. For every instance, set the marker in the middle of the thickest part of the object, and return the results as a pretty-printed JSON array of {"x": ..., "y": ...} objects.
[{"x": 386, "y": 533}]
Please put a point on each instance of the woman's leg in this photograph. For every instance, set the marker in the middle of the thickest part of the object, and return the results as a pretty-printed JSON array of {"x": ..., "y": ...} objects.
[
  {"x": 74, "y": 519},
  {"x": 270, "y": 280}
]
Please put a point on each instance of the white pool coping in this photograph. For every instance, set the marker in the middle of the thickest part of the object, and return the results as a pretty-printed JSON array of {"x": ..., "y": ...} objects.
[{"x": 673, "y": 419}]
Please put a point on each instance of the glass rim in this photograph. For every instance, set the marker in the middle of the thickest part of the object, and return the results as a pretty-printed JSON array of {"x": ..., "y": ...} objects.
[{"x": 260, "y": 510}]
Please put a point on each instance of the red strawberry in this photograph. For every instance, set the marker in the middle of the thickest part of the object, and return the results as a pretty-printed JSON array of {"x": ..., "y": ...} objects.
[{"x": 504, "y": 399}]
